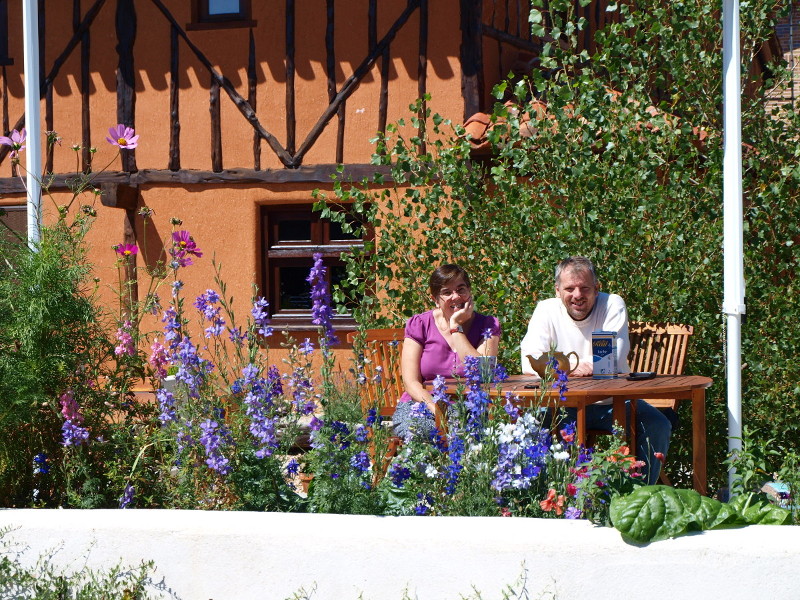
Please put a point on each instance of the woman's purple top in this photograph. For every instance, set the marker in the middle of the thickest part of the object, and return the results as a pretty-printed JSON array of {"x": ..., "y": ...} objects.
[{"x": 437, "y": 356}]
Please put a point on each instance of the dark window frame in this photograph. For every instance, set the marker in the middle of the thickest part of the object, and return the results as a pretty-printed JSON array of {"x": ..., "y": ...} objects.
[
  {"x": 277, "y": 254},
  {"x": 5, "y": 59},
  {"x": 203, "y": 19}
]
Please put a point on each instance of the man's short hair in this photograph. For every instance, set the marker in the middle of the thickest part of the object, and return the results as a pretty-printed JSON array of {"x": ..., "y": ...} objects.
[{"x": 577, "y": 263}]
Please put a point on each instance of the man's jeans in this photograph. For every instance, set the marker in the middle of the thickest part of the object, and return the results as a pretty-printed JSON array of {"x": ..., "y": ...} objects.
[{"x": 653, "y": 430}]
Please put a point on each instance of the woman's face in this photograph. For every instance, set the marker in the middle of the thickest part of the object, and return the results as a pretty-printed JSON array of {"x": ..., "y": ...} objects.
[{"x": 453, "y": 296}]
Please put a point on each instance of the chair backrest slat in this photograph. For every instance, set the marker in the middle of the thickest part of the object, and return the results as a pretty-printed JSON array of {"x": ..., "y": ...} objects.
[{"x": 659, "y": 347}]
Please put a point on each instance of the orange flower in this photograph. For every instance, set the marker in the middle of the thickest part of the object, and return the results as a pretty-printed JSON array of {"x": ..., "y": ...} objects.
[{"x": 553, "y": 503}]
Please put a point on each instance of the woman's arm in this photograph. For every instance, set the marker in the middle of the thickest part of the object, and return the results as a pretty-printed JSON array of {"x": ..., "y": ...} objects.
[
  {"x": 412, "y": 376},
  {"x": 461, "y": 344}
]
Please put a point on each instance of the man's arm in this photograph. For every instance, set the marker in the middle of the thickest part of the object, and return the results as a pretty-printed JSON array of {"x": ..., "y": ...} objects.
[{"x": 538, "y": 339}]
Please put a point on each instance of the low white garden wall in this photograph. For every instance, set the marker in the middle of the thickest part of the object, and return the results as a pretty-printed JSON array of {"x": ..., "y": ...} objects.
[{"x": 242, "y": 555}]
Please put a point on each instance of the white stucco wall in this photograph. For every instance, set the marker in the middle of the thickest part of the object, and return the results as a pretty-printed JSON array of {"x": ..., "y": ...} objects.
[{"x": 241, "y": 555}]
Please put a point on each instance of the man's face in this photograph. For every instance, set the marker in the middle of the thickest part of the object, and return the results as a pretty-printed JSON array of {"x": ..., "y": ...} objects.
[{"x": 578, "y": 292}]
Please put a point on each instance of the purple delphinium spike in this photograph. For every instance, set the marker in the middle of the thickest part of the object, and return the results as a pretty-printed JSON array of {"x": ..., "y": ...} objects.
[
  {"x": 321, "y": 313},
  {"x": 214, "y": 438},
  {"x": 127, "y": 496}
]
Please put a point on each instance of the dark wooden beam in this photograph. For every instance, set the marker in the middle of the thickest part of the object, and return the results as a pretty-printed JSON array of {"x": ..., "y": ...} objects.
[
  {"x": 290, "y": 114},
  {"x": 471, "y": 56},
  {"x": 174, "y": 101},
  {"x": 422, "y": 70},
  {"x": 252, "y": 80},
  {"x": 86, "y": 123},
  {"x": 119, "y": 195},
  {"x": 517, "y": 42},
  {"x": 48, "y": 98},
  {"x": 126, "y": 75},
  {"x": 228, "y": 177},
  {"x": 216, "y": 127}
]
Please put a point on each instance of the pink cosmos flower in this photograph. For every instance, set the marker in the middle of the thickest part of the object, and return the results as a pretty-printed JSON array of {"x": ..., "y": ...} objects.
[
  {"x": 123, "y": 137},
  {"x": 126, "y": 249},
  {"x": 16, "y": 141},
  {"x": 183, "y": 246}
]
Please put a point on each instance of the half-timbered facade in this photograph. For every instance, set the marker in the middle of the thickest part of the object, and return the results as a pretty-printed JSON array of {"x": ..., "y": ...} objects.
[{"x": 244, "y": 107}]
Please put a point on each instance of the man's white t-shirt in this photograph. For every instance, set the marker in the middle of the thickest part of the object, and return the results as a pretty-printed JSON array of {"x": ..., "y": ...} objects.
[{"x": 551, "y": 325}]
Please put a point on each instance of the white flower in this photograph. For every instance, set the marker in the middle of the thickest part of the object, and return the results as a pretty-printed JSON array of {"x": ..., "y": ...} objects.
[
  {"x": 561, "y": 455},
  {"x": 431, "y": 471}
]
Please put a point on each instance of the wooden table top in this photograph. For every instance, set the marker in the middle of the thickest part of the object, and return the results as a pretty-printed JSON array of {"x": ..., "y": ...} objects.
[{"x": 603, "y": 388}]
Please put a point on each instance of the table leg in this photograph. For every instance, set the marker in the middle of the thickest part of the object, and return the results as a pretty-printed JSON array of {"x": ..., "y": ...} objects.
[
  {"x": 699, "y": 440},
  {"x": 581, "y": 416}
]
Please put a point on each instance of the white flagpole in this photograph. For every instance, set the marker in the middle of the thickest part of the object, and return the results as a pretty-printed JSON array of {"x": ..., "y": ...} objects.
[
  {"x": 733, "y": 247},
  {"x": 33, "y": 148}
]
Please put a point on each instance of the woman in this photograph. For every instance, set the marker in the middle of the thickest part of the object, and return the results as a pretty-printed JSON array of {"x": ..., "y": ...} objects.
[{"x": 437, "y": 341}]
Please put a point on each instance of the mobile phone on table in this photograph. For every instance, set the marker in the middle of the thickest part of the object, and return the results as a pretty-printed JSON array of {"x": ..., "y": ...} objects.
[{"x": 639, "y": 375}]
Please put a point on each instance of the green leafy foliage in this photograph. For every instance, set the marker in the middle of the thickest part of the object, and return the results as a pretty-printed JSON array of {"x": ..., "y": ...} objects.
[
  {"x": 625, "y": 167},
  {"x": 657, "y": 512}
]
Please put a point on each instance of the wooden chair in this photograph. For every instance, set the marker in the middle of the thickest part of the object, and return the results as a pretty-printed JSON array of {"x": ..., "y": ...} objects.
[
  {"x": 659, "y": 347},
  {"x": 384, "y": 385}
]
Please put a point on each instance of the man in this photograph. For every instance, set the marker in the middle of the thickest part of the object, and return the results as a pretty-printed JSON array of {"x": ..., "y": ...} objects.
[{"x": 566, "y": 323}]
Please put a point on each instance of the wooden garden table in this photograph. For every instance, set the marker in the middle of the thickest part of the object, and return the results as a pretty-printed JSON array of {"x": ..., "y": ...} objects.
[{"x": 584, "y": 391}]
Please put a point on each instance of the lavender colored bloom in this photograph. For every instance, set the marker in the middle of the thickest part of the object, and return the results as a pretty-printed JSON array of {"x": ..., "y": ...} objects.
[
  {"x": 511, "y": 408},
  {"x": 261, "y": 317},
  {"x": 440, "y": 390},
  {"x": 321, "y": 312},
  {"x": 573, "y": 512},
  {"x": 237, "y": 336},
  {"x": 213, "y": 439},
  {"x": 123, "y": 137},
  {"x": 16, "y": 141},
  {"x": 166, "y": 402},
  {"x": 127, "y": 496},
  {"x": 315, "y": 424},
  {"x": 73, "y": 434},
  {"x": 307, "y": 347},
  {"x": 172, "y": 327},
  {"x": 360, "y": 433},
  {"x": 260, "y": 403}
]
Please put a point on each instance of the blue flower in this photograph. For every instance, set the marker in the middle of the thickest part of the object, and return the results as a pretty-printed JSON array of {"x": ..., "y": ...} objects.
[
  {"x": 307, "y": 347},
  {"x": 40, "y": 466},
  {"x": 360, "y": 462},
  {"x": 292, "y": 467},
  {"x": 127, "y": 496}
]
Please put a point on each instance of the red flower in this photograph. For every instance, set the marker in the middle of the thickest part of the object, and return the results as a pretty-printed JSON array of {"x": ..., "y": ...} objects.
[{"x": 552, "y": 503}]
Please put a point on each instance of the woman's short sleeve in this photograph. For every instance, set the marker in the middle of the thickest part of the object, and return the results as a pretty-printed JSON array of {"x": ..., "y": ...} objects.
[{"x": 415, "y": 330}]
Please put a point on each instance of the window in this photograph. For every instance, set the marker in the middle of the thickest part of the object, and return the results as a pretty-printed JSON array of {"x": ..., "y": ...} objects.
[
  {"x": 5, "y": 59},
  {"x": 14, "y": 219},
  {"x": 215, "y": 14},
  {"x": 291, "y": 236}
]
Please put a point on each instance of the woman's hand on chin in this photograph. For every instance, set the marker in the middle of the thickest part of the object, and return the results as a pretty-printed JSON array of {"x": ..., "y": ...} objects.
[{"x": 462, "y": 315}]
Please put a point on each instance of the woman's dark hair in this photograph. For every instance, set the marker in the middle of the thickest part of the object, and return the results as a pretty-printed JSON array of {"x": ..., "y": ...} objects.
[{"x": 444, "y": 275}]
